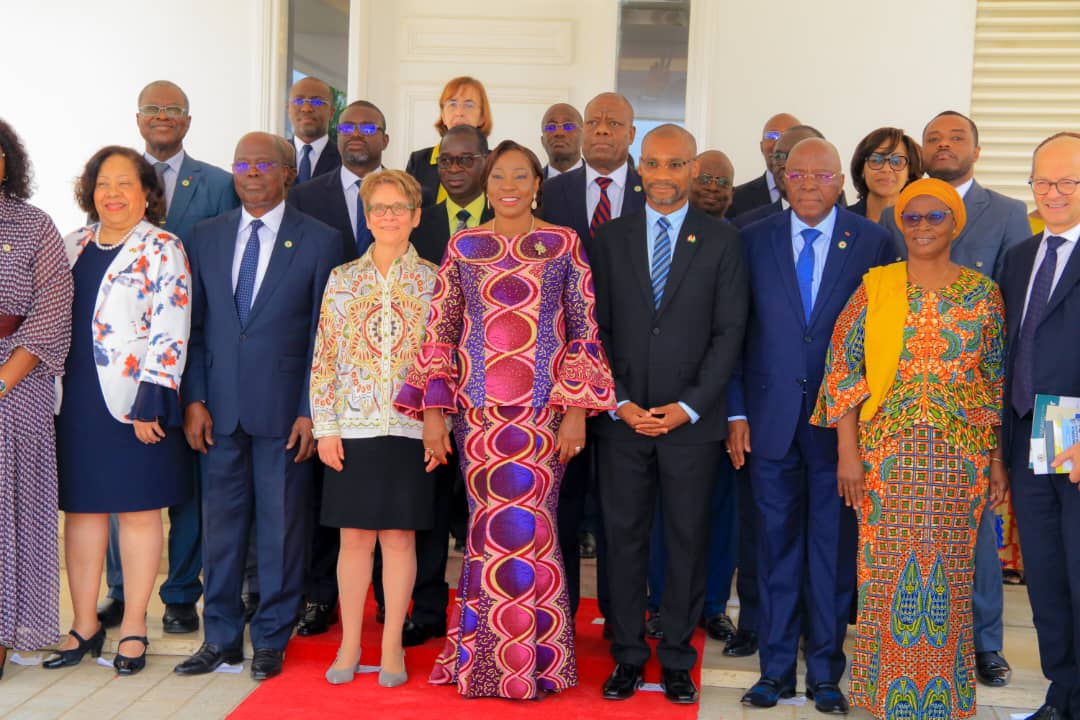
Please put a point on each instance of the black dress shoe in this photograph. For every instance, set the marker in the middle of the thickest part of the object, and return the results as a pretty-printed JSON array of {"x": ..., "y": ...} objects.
[
  {"x": 317, "y": 619},
  {"x": 416, "y": 634},
  {"x": 66, "y": 658},
  {"x": 741, "y": 644},
  {"x": 110, "y": 612},
  {"x": 180, "y": 618},
  {"x": 126, "y": 665},
  {"x": 678, "y": 687},
  {"x": 828, "y": 698},
  {"x": 266, "y": 663},
  {"x": 719, "y": 627},
  {"x": 1047, "y": 712},
  {"x": 208, "y": 658},
  {"x": 622, "y": 683},
  {"x": 766, "y": 692},
  {"x": 653, "y": 631},
  {"x": 992, "y": 669}
]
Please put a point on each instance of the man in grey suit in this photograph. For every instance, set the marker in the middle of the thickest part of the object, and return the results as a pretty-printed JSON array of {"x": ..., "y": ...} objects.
[{"x": 995, "y": 223}]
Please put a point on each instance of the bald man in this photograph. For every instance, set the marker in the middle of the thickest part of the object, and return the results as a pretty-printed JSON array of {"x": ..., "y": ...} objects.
[
  {"x": 803, "y": 265},
  {"x": 311, "y": 106},
  {"x": 560, "y": 134},
  {"x": 776, "y": 161},
  {"x": 671, "y": 305},
  {"x": 763, "y": 190},
  {"x": 712, "y": 188}
]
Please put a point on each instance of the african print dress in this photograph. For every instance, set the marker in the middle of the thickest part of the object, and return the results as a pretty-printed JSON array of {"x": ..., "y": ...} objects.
[
  {"x": 511, "y": 343},
  {"x": 926, "y": 454}
]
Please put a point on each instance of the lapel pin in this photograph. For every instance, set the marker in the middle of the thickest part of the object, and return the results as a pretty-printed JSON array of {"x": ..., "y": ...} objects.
[
  {"x": 637, "y": 188},
  {"x": 288, "y": 243},
  {"x": 186, "y": 181},
  {"x": 7, "y": 247},
  {"x": 841, "y": 244},
  {"x": 691, "y": 238}
]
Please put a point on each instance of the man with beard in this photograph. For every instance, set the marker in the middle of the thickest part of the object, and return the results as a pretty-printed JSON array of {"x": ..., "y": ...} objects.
[
  {"x": 560, "y": 134},
  {"x": 995, "y": 223},
  {"x": 311, "y": 105}
]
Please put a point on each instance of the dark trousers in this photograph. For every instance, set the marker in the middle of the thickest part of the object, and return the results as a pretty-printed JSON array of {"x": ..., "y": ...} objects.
[
  {"x": 320, "y": 578},
  {"x": 634, "y": 473},
  {"x": 580, "y": 476},
  {"x": 746, "y": 582},
  {"x": 1048, "y": 517},
  {"x": 721, "y": 552},
  {"x": 802, "y": 551},
  {"x": 182, "y": 586},
  {"x": 249, "y": 479}
]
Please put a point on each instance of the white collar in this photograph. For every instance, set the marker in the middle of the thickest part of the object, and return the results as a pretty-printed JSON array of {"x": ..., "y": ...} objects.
[
  {"x": 349, "y": 178},
  {"x": 272, "y": 219},
  {"x": 174, "y": 162},
  {"x": 317, "y": 146},
  {"x": 618, "y": 176},
  {"x": 962, "y": 189}
]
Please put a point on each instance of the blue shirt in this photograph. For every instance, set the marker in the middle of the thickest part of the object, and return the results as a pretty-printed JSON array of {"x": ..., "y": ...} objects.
[{"x": 821, "y": 245}]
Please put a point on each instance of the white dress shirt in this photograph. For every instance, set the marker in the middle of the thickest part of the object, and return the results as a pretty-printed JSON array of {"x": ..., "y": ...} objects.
[
  {"x": 170, "y": 175},
  {"x": 267, "y": 236},
  {"x": 1072, "y": 235},
  {"x": 821, "y": 246},
  {"x": 317, "y": 147},
  {"x": 352, "y": 191},
  {"x": 962, "y": 188},
  {"x": 553, "y": 171},
  {"x": 615, "y": 190}
]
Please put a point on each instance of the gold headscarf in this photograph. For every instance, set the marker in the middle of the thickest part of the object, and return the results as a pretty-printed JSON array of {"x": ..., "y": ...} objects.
[{"x": 935, "y": 188}]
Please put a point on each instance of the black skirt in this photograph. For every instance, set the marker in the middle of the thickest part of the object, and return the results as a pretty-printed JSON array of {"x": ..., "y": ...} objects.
[{"x": 382, "y": 486}]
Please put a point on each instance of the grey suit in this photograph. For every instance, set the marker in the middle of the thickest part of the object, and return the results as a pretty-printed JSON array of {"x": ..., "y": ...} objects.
[{"x": 995, "y": 223}]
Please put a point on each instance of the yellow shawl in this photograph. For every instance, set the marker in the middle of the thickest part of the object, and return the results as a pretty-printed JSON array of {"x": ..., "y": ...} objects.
[{"x": 883, "y": 339}]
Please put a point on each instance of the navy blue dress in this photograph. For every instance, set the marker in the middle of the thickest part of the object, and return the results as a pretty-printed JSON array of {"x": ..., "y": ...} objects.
[{"x": 102, "y": 466}]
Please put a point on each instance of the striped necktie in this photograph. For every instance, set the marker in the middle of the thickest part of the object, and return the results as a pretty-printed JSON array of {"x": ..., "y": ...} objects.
[
  {"x": 245, "y": 279},
  {"x": 1023, "y": 386},
  {"x": 602, "y": 213},
  {"x": 804, "y": 271},
  {"x": 661, "y": 260}
]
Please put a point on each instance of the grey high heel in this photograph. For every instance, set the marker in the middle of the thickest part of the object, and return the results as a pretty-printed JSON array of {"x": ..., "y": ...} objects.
[
  {"x": 340, "y": 677},
  {"x": 389, "y": 680}
]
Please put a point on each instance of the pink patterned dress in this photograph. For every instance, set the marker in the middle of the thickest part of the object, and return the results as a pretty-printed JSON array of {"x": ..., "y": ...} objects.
[
  {"x": 511, "y": 343},
  {"x": 35, "y": 283}
]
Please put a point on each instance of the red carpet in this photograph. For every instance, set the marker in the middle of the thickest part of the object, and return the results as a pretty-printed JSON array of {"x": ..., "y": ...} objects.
[{"x": 301, "y": 691}]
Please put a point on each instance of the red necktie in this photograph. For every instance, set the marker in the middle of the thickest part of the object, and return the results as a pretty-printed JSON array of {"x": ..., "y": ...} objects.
[{"x": 602, "y": 213}]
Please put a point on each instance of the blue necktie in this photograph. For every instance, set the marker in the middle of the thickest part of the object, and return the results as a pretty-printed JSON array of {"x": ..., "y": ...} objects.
[
  {"x": 1023, "y": 392},
  {"x": 661, "y": 260},
  {"x": 363, "y": 235},
  {"x": 245, "y": 279},
  {"x": 304, "y": 172},
  {"x": 804, "y": 271}
]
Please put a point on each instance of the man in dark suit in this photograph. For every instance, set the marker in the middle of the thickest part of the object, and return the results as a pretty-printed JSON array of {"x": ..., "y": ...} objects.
[
  {"x": 311, "y": 105},
  {"x": 776, "y": 161},
  {"x": 607, "y": 187},
  {"x": 995, "y": 223},
  {"x": 762, "y": 190},
  {"x": 258, "y": 275},
  {"x": 671, "y": 300},
  {"x": 1041, "y": 286},
  {"x": 194, "y": 191},
  {"x": 560, "y": 134},
  {"x": 804, "y": 264}
]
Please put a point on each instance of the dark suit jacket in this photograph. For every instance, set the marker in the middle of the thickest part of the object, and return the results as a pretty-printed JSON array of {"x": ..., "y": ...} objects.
[
  {"x": 426, "y": 173},
  {"x": 1056, "y": 370},
  {"x": 323, "y": 199},
  {"x": 433, "y": 233},
  {"x": 784, "y": 359},
  {"x": 202, "y": 191},
  {"x": 329, "y": 160},
  {"x": 749, "y": 195},
  {"x": 564, "y": 201},
  {"x": 256, "y": 376},
  {"x": 761, "y": 212},
  {"x": 686, "y": 349},
  {"x": 995, "y": 223}
]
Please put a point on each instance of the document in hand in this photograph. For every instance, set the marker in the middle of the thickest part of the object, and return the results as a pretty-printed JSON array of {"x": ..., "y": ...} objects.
[{"x": 1055, "y": 427}]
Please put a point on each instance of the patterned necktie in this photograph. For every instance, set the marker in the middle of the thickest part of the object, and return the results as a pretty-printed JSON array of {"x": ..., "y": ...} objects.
[
  {"x": 661, "y": 260},
  {"x": 602, "y": 213},
  {"x": 804, "y": 271},
  {"x": 1023, "y": 392},
  {"x": 245, "y": 279},
  {"x": 463, "y": 216},
  {"x": 304, "y": 172},
  {"x": 362, "y": 234}
]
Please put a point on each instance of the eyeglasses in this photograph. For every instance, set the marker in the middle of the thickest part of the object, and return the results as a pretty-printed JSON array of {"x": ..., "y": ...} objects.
[
  {"x": 555, "y": 127},
  {"x": 718, "y": 181},
  {"x": 1065, "y": 186},
  {"x": 820, "y": 178},
  {"x": 397, "y": 209},
  {"x": 876, "y": 161},
  {"x": 674, "y": 165},
  {"x": 243, "y": 166},
  {"x": 364, "y": 128},
  {"x": 454, "y": 104},
  {"x": 778, "y": 156},
  {"x": 465, "y": 162},
  {"x": 173, "y": 111},
  {"x": 773, "y": 135},
  {"x": 315, "y": 102},
  {"x": 934, "y": 217}
]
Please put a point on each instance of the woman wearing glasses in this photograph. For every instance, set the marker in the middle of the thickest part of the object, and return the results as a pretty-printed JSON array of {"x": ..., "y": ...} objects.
[
  {"x": 884, "y": 162},
  {"x": 120, "y": 448},
  {"x": 463, "y": 102},
  {"x": 913, "y": 386},
  {"x": 371, "y": 327}
]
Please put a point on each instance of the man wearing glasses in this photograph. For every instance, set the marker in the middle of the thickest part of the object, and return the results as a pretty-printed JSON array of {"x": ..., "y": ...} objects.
[
  {"x": 712, "y": 190},
  {"x": 560, "y": 134},
  {"x": 803, "y": 264},
  {"x": 194, "y": 191},
  {"x": 776, "y": 160},
  {"x": 763, "y": 190},
  {"x": 311, "y": 105}
]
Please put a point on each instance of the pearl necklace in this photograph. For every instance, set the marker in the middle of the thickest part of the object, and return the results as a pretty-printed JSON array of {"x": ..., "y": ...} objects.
[{"x": 97, "y": 240}]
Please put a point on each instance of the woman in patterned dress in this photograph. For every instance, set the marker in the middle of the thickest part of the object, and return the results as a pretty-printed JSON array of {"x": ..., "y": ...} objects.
[
  {"x": 370, "y": 328},
  {"x": 35, "y": 330},
  {"x": 512, "y": 352},
  {"x": 913, "y": 385}
]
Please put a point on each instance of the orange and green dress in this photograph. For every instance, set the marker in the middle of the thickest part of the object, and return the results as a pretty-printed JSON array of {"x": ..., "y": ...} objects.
[{"x": 926, "y": 456}]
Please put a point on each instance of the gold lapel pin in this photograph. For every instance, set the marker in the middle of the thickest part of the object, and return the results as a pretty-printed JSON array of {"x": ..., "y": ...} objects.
[
  {"x": 288, "y": 243},
  {"x": 841, "y": 244},
  {"x": 691, "y": 238},
  {"x": 637, "y": 188},
  {"x": 185, "y": 182}
]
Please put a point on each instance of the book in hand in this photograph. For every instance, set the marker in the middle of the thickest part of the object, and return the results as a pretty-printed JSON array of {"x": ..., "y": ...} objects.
[{"x": 1055, "y": 427}]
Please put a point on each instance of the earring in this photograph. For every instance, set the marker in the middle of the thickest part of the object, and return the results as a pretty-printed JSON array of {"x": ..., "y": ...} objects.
[{"x": 534, "y": 202}]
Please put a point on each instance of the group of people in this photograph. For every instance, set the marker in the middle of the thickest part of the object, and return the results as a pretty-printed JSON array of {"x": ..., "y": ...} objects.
[{"x": 539, "y": 335}]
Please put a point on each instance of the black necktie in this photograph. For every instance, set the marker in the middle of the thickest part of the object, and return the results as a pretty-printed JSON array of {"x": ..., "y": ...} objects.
[{"x": 1023, "y": 392}]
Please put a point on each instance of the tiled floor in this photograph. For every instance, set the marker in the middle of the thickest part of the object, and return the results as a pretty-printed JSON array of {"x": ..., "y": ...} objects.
[{"x": 94, "y": 692}]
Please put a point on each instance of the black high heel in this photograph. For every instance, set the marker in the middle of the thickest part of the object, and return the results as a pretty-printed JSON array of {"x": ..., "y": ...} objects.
[
  {"x": 130, "y": 665},
  {"x": 66, "y": 658}
]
